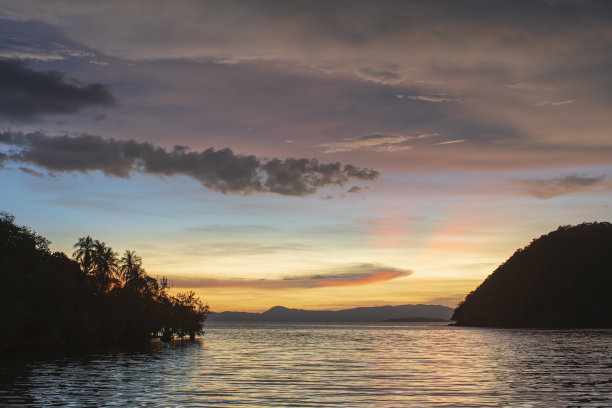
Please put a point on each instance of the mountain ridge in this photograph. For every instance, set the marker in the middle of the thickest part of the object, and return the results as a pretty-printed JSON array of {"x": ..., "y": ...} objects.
[{"x": 357, "y": 314}]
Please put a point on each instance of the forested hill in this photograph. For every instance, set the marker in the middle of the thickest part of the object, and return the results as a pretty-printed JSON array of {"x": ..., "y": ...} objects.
[{"x": 561, "y": 280}]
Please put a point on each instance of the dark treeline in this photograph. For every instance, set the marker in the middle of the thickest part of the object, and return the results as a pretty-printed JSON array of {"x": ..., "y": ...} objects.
[
  {"x": 562, "y": 279},
  {"x": 48, "y": 298}
]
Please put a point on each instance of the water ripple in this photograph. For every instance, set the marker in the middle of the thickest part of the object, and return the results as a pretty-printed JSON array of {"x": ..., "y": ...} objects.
[{"x": 325, "y": 365}]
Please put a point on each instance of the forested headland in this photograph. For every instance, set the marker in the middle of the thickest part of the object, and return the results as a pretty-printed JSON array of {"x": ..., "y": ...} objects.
[
  {"x": 98, "y": 297},
  {"x": 561, "y": 280}
]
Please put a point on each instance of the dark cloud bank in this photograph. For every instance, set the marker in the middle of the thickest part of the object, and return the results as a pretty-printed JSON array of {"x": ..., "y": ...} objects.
[
  {"x": 25, "y": 93},
  {"x": 220, "y": 170}
]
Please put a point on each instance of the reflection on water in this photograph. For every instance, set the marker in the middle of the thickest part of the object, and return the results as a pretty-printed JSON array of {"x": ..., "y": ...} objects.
[{"x": 324, "y": 365}]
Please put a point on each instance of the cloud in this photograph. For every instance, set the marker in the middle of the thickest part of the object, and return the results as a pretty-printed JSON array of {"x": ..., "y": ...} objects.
[
  {"x": 355, "y": 275},
  {"x": 39, "y": 41},
  {"x": 450, "y": 142},
  {"x": 238, "y": 30},
  {"x": 503, "y": 63},
  {"x": 371, "y": 274},
  {"x": 522, "y": 86},
  {"x": 25, "y": 93},
  {"x": 554, "y": 187},
  {"x": 31, "y": 172},
  {"x": 219, "y": 170},
  {"x": 555, "y": 103},
  {"x": 433, "y": 98},
  {"x": 381, "y": 143},
  {"x": 29, "y": 40},
  {"x": 383, "y": 76},
  {"x": 23, "y": 52},
  {"x": 305, "y": 176},
  {"x": 392, "y": 148}
]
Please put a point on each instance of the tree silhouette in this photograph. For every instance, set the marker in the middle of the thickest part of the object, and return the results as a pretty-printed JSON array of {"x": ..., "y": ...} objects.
[
  {"x": 186, "y": 314},
  {"x": 47, "y": 298},
  {"x": 130, "y": 269},
  {"x": 84, "y": 253},
  {"x": 104, "y": 264}
]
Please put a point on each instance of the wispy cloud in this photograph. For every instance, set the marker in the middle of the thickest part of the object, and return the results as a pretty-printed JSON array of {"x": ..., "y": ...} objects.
[
  {"x": 378, "y": 142},
  {"x": 554, "y": 187},
  {"x": 434, "y": 98},
  {"x": 379, "y": 75},
  {"x": 555, "y": 103},
  {"x": 392, "y": 148},
  {"x": 31, "y": 172},
  {"x": 523, "y": 86},
  {"x": 355, "y": 275},
  {"x": 219, "y": 170},
  {"x": 450, "y": 142},
  {"x": 29, "y": 53}
]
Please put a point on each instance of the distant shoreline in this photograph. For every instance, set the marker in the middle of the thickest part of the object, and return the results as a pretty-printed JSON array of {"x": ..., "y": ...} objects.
[
  {"x": 415, "y": 320},
  {"x": 355, "y": 315}
]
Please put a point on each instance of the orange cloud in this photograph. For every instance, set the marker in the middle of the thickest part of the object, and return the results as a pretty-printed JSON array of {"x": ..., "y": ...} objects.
[
  {"x": 374, "y": 277},
  {"x": 354, "y": 275}
]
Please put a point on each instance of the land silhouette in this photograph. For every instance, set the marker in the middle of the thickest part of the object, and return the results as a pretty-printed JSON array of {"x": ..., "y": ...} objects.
[
  {"x": 358, "y": 314},
  {"x": 560, "y": 280},
  {"x": 415, "y": 320},
  {"x": 47, "y": 298}
]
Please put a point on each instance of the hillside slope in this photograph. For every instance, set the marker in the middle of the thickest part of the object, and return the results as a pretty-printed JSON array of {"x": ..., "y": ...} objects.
[{"x": 562, "y": 279}]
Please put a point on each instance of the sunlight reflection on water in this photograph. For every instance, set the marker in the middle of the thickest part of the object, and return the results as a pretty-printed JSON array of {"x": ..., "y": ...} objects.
[{"x": 324, "y": 365}]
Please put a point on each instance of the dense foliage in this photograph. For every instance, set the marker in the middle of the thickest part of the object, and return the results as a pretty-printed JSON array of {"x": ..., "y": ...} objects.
[
  {"x": 562, "y": 279},
  {"x": 47, "y": 298}
]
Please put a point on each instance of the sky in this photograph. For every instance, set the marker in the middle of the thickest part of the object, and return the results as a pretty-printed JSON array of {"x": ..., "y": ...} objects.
[{"x": 310, "y": 154}]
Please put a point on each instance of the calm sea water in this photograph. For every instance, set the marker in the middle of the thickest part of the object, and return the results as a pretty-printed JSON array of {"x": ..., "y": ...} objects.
[{"x": 324, "y": 365}]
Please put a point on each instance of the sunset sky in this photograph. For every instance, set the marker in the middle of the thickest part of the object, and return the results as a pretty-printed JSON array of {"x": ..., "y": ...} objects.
[{"x": 380, "y": 152}]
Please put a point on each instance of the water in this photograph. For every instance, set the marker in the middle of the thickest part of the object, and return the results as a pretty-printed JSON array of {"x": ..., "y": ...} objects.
[{"x": 324, "y": 365}]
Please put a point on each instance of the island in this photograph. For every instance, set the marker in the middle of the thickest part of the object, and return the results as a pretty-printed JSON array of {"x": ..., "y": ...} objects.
[{"x": 560, "y": 280}]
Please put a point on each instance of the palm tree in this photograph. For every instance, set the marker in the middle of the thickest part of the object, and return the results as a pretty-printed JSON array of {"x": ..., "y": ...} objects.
[
  {"x": 104, "y": 260},
  {"x": 84, "y": 253},
  {"x": 130, "y": 268}
]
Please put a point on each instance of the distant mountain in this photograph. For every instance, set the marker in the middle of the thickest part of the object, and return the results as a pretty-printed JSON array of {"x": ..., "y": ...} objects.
[
  {"x": 562, "y": 279},
  {"x": 359, "y": 314}
]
